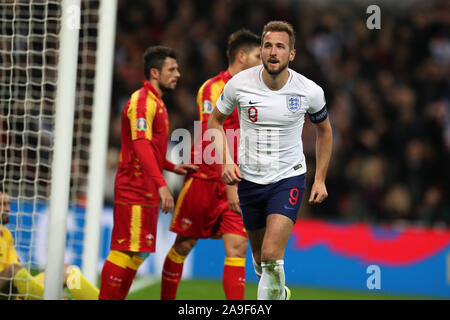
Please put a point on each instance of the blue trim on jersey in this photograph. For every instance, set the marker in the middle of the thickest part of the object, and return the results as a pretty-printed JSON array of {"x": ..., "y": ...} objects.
[
  {"x": 319, "y": 116},
  {"x": 257, "y": 201}
]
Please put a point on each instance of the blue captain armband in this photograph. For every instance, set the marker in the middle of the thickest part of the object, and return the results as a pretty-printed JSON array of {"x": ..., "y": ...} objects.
[{"x": 319, "y": 116}]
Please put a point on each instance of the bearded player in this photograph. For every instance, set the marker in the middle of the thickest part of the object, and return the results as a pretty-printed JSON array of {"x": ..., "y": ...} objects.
[
  {"x": 273, "y": 101},
  {"x": 140, "y": 187},
  {"x": 216, "y": 215},
  {"x": 17, "y": 282}
]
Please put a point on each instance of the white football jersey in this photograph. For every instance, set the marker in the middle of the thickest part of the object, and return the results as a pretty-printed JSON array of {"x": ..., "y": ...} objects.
[{"x": 271, "y": 123}]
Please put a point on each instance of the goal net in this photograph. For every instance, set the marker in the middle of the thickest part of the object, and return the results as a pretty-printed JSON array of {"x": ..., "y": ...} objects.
[{"x": 30, "y": 32}]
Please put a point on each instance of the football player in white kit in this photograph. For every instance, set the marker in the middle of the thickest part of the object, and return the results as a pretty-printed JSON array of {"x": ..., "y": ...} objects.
[{"x": 272, "y": 102}]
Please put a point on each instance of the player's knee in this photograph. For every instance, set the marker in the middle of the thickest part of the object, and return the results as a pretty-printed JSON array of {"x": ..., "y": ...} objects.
[
  {"x": 11, "y": 270},
  {"x": 237, "y": 249},
  {"x": 270, "y": 254},
  {"x": 184, "y": 246}
]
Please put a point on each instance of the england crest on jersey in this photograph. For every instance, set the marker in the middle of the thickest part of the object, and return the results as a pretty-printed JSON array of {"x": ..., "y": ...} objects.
[{"x": 293, "y": 103}]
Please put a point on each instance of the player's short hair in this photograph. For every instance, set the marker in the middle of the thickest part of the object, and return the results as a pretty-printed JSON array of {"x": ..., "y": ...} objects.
[
  {"x": 280, "y": 26},
  {"x": 243, "y": 39},
  {"x": 154, "y": 58}
]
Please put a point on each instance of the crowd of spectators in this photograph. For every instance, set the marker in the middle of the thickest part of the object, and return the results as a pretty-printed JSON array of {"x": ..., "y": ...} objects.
[{"x": 387, "y": 91}]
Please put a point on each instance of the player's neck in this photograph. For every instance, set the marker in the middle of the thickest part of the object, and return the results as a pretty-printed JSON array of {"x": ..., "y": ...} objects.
[
  {"x": 275, "y": 81},
  {"x": 155, "y": 86},
  {"x": 234, "y": 69}
]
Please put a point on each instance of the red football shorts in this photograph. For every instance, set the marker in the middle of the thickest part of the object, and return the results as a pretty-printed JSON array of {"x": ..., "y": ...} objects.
[
  {"x": 134, "y": 228},
  {"x": 202, "y": 211}
]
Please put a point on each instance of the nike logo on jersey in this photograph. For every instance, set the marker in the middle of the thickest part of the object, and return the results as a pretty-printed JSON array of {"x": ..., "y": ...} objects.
[
  {"x": 288, "y": 208},
  {"x": 120, "y": 240},
  {"x": 253, "y": 102}
]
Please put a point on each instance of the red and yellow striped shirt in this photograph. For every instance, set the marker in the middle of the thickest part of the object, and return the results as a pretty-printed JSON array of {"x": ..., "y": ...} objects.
[
  {"x": 145, "y": 130},
  {"x": 207, "y": 97}
]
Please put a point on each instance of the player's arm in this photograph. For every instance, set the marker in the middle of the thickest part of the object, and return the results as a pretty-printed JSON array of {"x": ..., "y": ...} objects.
[
  {"x": 141, "y": 113},
  {"x": 233, "y": 198},
  {"x": 324, "y": 144},
  {"x": 318, "y": 115},
  {"x": 230, "y": 171},
  {"x": 144, "y": 152},
  {"x": 181, "y": 169}
]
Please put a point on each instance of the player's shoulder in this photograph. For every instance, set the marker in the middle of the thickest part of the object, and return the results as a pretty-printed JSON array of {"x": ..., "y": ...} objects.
[
  {"x": 244, "y": 79},
  {"x": 141, "y": 98},
  {"x": 305, "y": 84},
  {"x": 246, "y": 74},
  {"x": 5, "y": 233},
  {"x": 210, "y": 82}
]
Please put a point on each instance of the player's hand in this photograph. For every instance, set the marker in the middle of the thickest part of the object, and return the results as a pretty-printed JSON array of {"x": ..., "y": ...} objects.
[
  {"x": 318, "y": 192},
  {"x": 185, "y": 168},
  {"x": 167, "y": 203},
  {"x": 231, "y": 173},
  {"x": 233, "y": 198}
]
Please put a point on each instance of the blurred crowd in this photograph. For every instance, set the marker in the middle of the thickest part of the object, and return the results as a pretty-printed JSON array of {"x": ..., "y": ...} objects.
[{"x": 387, "y": 91}]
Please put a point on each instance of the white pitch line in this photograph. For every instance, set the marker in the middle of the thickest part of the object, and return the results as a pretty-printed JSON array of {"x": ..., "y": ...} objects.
[{"x": 143, "y": 282}]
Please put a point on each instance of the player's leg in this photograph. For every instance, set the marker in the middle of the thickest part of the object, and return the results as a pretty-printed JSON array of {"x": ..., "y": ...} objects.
[
  {"x": 142, "y": 242},
  {"x": 6, "y": 275},
  {"x": 253, "y": 202},
  {"x": 137, "y": 258},
  {"x": 278, "y": 231},
  {"x": 173, "y": 266},
  {"x": 22, "y": 280},
  {"x": 118, "y": 273},
  {"x": 114, "y": 273},
  {"x": 133, "y": 238},
  {"x": 79, "y": 287},
  {"x": 233, "y": 279},
  {"x": 188, "y": 223},
  {"x": 255, "y": 238},
  {"x": 282, "y": 207}
]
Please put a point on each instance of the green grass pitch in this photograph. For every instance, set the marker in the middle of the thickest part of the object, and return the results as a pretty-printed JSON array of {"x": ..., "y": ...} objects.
[{"x": 212, "y": 290}]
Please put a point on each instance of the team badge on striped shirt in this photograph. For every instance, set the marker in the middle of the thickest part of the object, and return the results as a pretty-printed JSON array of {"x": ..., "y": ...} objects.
[
  {"x": 207, "y": 106},
  {"x": 141, "y": 124},
  {"x": 293, "y": 103}
]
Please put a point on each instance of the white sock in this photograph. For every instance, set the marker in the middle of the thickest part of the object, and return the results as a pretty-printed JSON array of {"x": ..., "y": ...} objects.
[
  {"x": 271, "y": 284},
  {"x": 257, "y": 267}
]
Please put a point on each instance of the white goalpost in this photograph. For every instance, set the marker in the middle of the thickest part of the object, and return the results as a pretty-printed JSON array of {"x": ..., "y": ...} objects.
[
  {"x": 56, "y": 67},
  {"x": 99, "y": 136},
  {"x": 64, "y": 117}
]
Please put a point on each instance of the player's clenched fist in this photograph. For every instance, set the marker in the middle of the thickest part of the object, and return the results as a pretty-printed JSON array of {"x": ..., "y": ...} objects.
[
  {"x": 318, "y": 192},
  {"x": 231, "y": 174}
]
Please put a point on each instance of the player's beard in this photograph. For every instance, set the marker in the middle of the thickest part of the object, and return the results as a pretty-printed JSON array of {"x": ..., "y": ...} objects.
[
  {"x": 4, "y": 219},
  {"x": 167, "y": 87},
  {"x": 276, "y": 71}
]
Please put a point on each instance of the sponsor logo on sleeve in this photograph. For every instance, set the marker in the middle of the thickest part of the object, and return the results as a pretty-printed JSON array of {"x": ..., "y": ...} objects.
[
  {"x": 141, "y": 124},
  {"x": 207, "y": 106}
]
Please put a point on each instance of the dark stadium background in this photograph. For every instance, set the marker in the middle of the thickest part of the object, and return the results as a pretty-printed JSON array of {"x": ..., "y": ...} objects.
[
  {"x": 388, "y": 98},
  {"x": 387, "y": 91}
]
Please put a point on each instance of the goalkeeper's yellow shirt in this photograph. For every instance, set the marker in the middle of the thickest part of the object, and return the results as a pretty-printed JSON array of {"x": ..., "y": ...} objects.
[{"x": 8, "y": 254}]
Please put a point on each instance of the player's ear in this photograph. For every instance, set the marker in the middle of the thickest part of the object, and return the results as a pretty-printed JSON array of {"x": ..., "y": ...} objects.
[
  {"x": 154, "y": 73},
  {"x": 292, "y": 54},
  {"x": 241, "y": 55}
]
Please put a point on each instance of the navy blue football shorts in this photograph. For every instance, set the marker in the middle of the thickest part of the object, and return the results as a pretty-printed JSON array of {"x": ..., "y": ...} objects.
[{"x": 257, "y": 201}]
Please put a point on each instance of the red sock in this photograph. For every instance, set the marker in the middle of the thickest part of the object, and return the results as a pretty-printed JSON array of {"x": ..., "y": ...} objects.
[
  {"x": 234, "y": 278},
  {"x": 111, "y": 281},
  {"x": 127, "y": 281},
  {"x": 132, "y": 267},
  {"x": 171, "y": 275}
]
